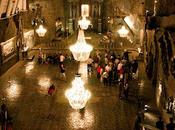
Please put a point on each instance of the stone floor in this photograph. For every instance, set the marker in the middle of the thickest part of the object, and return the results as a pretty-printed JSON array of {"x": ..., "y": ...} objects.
[{"x": 25, "y": 88}]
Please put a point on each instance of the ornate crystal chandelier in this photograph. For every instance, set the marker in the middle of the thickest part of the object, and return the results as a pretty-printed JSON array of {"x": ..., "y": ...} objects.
[
  {"x": 77, "y": 95},
  {"x": 123, "y": 32},
  {"x": 81, "y": 50},
  {"x": 84, "y": 22},
  {"x": 41, "y": 31}
]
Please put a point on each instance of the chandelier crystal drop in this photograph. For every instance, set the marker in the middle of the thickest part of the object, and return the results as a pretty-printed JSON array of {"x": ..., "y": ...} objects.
[
  {"x": 81, "y": 50},
  {"x": 123, "y": 32},
  {"x": 77, "y": 95},
  {"x": 41, "y": 31}
]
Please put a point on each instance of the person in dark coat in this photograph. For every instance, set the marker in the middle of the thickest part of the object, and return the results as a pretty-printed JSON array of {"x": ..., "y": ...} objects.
[
  {"x": 160, "y": 124},
  {"x": 126, "y": 55},
  {"x": 137, "y": 123},
  {"x": 134, "y": 66},
  {"x": 171, "y": 125}
]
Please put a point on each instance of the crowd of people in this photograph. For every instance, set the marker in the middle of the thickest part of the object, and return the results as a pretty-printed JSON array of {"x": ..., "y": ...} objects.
[{"x": 113, "y": 69}]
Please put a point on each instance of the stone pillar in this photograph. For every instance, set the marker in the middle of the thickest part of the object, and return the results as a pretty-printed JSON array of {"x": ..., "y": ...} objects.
[
  {"x": 70, "y": 21},
  {"x": 99, "y": 17}
]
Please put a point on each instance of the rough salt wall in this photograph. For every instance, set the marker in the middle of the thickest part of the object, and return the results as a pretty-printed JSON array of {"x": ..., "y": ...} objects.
[{"x": 165, "y": 7}]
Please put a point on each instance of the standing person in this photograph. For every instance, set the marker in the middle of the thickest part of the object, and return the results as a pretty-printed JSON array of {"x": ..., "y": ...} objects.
[
  {"x": 10, "y": 125},
  {"x": 40, "y": 56},
  {"x": 160, "y": 124},
  {"x": 4, "y": 116},
  {"x": 126, "y": 89},
  {"x": 62, "y": 69},
  {"x": 51, "y": 90},
  {"x": 61, "y": 58},
  {"x": 89, "y": 65},
  {"x": 126, "y": 55},
  {"x": 137, "y": 123},
  {"x": 171, "y": 125},
  {"x": 121, "y": 84},
  {"x": 105, "y": 78},
  {"x": 99, "y": 71},
  {"x": 134, "y": 68},
  {"x": 120, "y": 71}
]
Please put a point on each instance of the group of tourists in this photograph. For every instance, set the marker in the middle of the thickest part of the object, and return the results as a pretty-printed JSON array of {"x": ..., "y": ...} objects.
[
  {"x": 45, "y": 58},
  {"x": 57, "y": 59},
  {"x": 113, "y": 69}
]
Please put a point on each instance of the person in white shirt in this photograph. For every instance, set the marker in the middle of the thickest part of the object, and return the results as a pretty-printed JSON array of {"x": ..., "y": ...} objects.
[{"x": 61, "y": 58}]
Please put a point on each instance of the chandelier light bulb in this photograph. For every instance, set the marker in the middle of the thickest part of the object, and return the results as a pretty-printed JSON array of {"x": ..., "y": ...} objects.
[
  {"x": 81, "y": 50},
  {"x": 41, "y": 31},
  {"x": 123, "y": 32},
  {"x": 77, "y": 95}
]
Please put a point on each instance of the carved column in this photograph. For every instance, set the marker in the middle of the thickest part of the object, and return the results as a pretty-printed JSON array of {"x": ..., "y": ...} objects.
[
  {"x": 70, "y": 21},
  {"x": 99, "y": 16}
]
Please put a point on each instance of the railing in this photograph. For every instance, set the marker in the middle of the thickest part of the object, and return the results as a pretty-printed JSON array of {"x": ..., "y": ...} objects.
[{"x": 147, "y": 127}]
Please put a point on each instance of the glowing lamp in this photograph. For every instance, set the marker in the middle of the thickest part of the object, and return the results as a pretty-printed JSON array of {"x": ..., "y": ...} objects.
[
  {"x": 77, "y": 95},
  {"x": 84, "y": 23},
  {"x": 81, "y": 50},
  {"x": 85, "y": 10},
  {"x": 123, "y": 32},
  {"x": 41, "y": 31}
]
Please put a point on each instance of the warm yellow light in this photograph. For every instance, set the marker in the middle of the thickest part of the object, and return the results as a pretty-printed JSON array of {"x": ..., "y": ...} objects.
[
  {"x": 123, "y": 32},
  {"x": 79, "y": 121},
  {"x": 84, "y": 23},
  {"x": 85, "y": 10},
  {"x": 130, "y": 21},
  {"x": 13, "y": 91},
  {"x": 81, "y": 50},
  {"x": 77, "y": 95},
  {"x": 139, "y": 50},
  {"x": 41, "y": 31}
]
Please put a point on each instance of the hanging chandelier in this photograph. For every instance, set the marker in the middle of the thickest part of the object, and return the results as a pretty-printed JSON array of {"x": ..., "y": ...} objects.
[
  {"x": 77, "y": 95},
  {"x": 81, "y": 50},
  {"x": 41, "y": 31},
  {"x": 123, "y": 32},
  {"x": 84, "y": 23}
]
